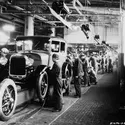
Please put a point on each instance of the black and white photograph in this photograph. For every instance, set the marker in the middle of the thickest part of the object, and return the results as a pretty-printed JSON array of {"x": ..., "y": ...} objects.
[{"x": 62, "y": 62}]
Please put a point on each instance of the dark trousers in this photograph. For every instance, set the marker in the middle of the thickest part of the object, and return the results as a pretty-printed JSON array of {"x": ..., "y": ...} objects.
[
  {"x": 110, "y": 68},
  {"x": 86, "y": 78},
  {"x": 77, "y": 85},
  {"x": 57, "y": 95},
  {"x": 102, "y": 66},
  {"x": 92, "y": 76}
]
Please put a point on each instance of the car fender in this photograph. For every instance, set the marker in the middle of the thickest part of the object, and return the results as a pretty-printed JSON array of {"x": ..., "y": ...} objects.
[{"x": 41, "y": 69}]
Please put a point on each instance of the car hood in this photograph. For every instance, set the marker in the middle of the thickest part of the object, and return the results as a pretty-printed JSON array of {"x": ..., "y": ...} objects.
[
  {"x": 39, "y": 58},
  {"x": 44, "y": 58}
]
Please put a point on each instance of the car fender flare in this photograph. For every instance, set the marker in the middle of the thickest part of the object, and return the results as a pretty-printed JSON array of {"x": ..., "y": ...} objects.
[
  {"x": 41, "y": 69},
  {"x": 44, "y": 69}
]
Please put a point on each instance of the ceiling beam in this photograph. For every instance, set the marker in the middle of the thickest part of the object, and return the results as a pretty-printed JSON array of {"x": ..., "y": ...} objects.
[
  {"x": 5, "y": 20},
  {"x": 97, "y": 10},
  {"x": 100, "y": 10},
  {"x": 89, "y": 14},
  {"x": 49, "y": 14},
  {"x": 11, "y": 22},
  {"x": 79, "y": 22}
]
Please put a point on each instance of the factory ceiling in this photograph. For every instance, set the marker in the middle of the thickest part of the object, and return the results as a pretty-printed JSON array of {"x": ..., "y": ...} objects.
[{"x": 96, "y": 12}]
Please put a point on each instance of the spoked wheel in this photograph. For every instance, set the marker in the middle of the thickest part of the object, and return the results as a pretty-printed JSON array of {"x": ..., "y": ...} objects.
[
  {"x": 8, "y": 99},
  {"x": 67, "y": 74},
  {"x": 42, "y": 87}
]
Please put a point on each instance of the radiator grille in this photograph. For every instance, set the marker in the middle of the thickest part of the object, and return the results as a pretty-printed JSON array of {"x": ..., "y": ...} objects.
[{"x": 17, "y": 66}]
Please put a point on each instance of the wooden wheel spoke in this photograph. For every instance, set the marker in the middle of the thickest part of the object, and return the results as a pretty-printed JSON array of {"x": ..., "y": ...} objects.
[
  {"x": 8, "y": 92},
  {"x": 5, "y": 104}
]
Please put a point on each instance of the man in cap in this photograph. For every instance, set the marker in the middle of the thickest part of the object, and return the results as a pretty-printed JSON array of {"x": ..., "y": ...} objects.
[
  {"x": 92, "y": 69},
  {"x": 57, "y": 83},
  {"x": 77, "y": 75},
  {"x": 93, "y": 62},
  {"x": 102, "y": 63},
  {"x": 85, "y": 69}
]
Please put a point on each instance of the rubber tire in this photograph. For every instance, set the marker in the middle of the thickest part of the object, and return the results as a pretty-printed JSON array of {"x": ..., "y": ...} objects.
[
  {"x": 68, "y": 79},
  {"x": 3, "y": 85},
  {"x": 42, "y": 98}
]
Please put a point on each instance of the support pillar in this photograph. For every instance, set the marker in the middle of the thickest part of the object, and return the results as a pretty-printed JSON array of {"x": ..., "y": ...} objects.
[
  {"x": 29, "y": 26},
  {"x": 105, "y": 33},
  {"x": 121, "y": 56}
]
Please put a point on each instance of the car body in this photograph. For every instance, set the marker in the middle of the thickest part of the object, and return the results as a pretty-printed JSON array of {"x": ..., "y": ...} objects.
[{"x": 29, "y": 71}]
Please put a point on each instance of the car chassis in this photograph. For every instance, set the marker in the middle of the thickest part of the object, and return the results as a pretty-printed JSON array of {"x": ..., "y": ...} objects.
[{"x": 26, "y": 80}]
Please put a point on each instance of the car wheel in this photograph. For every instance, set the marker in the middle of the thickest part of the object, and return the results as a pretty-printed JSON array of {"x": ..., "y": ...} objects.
[
  {"x": 8, "y": 99},
  {"x": 42, "y": 87},
  {"x": 67, "y": 75}
]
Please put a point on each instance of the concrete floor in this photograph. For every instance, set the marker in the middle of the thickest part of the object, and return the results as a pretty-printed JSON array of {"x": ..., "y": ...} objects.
[{"x": 99, "y": 105}]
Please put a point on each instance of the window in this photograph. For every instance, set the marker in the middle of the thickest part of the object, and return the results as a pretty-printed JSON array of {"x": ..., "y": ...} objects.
[
  {"x": 41, "y": 44},
  {"x": 33, "y": 43},
  {"x": 19, "y": 45},
  {"x": 62, "y": 47},
  {"x": 55, "y": 46},
  {"x": 46, "y": 46}
]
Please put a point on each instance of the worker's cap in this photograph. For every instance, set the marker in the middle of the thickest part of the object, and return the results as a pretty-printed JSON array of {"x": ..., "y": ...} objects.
[{"x": 55, "y": 56}]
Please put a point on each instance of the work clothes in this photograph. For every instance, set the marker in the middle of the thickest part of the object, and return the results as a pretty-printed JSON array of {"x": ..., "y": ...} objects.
[
  {"x": 78, "y": 75},
  {"x": 57, "y": 84},
  {"x": 85, "y": 69}
]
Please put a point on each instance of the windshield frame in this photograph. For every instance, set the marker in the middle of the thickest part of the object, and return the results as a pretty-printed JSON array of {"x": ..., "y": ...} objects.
[{"x": 37, "y": 40}]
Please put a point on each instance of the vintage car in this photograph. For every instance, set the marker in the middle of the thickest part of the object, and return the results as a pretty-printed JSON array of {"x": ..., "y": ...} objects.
[{"x": 28, "y": 71}]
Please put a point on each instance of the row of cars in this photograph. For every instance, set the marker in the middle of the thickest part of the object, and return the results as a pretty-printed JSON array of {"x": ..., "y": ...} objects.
[{"x": 28, "y": 71}]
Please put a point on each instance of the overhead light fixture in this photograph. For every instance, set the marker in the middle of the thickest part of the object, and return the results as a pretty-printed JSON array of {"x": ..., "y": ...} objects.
[
  {"x": 85, "y": 29},
  {"x": 104, "y": 42},
  {"x": 3, "y": 38},
  {"x": 97, "y": 37},
  {"x": 60, "y": 7},
  {"x": 9, "y": 28}
]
